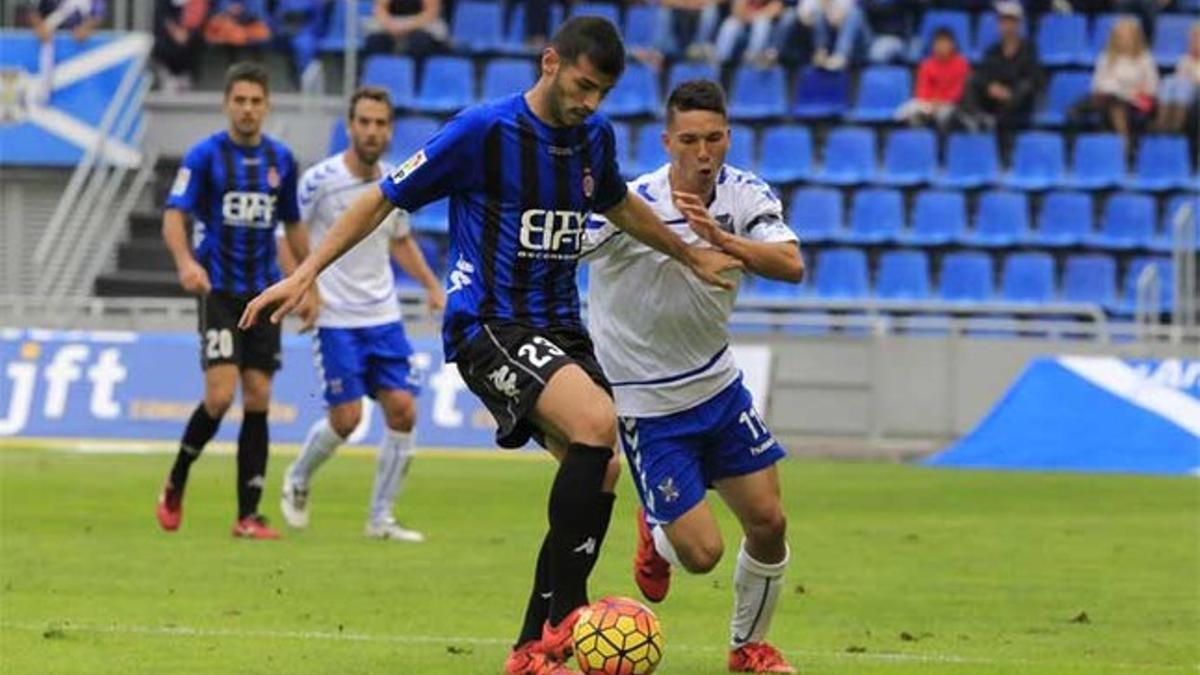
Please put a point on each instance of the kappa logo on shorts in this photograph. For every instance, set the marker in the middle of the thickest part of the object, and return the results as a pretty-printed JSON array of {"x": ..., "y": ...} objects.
[
  {"x": 669, "y": 492},
  {"x": 504, "y": 381}
]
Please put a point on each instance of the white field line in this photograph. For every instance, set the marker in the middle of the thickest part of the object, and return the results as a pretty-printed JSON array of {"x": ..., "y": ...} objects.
[{"x": 347, "y": 636}]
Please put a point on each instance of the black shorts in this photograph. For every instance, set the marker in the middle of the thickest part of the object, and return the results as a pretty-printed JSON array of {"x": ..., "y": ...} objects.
[
  {"x": 507, "y": 365},
  {"x": 221, "y": 341}
]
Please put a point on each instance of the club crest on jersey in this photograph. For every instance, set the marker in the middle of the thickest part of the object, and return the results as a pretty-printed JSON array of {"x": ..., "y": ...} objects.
[
  {"x": 272, "y": 178},
  {"x": 589, "y": 183},
  {"x": 410, "y": 165}
]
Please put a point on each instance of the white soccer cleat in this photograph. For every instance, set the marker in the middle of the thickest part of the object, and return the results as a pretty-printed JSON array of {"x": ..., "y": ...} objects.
[
  {"x": 391, "y": 530},
  {"x": 294, "y": 504}
]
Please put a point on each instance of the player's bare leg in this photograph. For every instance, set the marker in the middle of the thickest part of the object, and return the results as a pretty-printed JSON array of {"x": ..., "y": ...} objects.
[
  {"x": 253, "y": 444},
  {"x": 322, "y": 441},
  {"x": 220, "y": 384},
  {"x": 395, "y": 459},
  {"x": 691, "y": 541},
  {"x": 758, "y": 579}
]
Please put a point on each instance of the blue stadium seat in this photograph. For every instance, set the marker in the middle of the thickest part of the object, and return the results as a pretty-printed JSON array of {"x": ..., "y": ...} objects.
[
  {"x": 972, "y": 161},
  {"x": 333, "y": 39},
  {"x": 600, "y": 9},
  {"x": 683, "y": 71},
  {"x": 1065, "y": 90},
  {"x": 939, "y": 218},
  {"x": 1028, "y": 277},
  {"x": 409, "y": 135},
  {"x": 636, "y": 93},
  {"x": 1128, "y": 222},
  {"x": 1090, "y": 278},
  {"x": 987, "y": 33},
  {"x": 1166, "y": 271},
  {"x": 741, "y": 148},
  {"x": 1101, "y": 26},
  {"x": 1062, "y": 40},
  {"x": 1166, "y": 239},
  {"x": 1038, "y": 161},
  {"x": 1002, "y": 220},
  {"x": 1171, "y": 38},
  {"x": 966, "y": 276},
  {"x": 502, "y": 77},
  {"x": 815, "y": 214},
  {"x": 650, "y": 153},
  {"x": 339, "y": 140},
  {"x": 621, "y": 136},
  {"x": 909, "y": 158},
  {"x": 842, "y": 274},
  {"x": 786, "y": 155},
  {"x": 821, "y": 93},
  {"x": 758, "y": 93},
  {"x": 1098, "y": 162},
  {"x": 1064, "y": 219},
  {"x": 447, "y": 85},
  {"x": 641, "y": 26},
  {"x": 876, "y": 216},
  {"x": 849, "y": 157},
  {"x": 881, "y": 90},
  {"x": 478, "y": 25},
  {"x": 514, "y": 41},
  {"x": 959, "y": 23},
  {"x": 433, "y": 217},
  {"x": 394, "y": 73},
  {"x": 1162, "y": 164},
  {"x": 903, "y": 275}
]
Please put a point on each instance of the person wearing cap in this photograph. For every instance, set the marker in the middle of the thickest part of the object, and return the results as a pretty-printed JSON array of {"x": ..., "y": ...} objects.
[{"x": 1001, "y": 92}]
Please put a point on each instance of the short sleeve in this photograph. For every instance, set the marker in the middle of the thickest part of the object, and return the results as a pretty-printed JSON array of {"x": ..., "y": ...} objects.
[
  {"x": 398, "y": 224},
  {"x": 610, "y": 189},
  {"x": 447, "y": 161},
  {"x": 597, "y": 238},
  {"x": 189, "y": 180},
  {"x": 308, "y": 194},
  {"x": 760, "y": 213},
  {"x": 288, "y": 208}
]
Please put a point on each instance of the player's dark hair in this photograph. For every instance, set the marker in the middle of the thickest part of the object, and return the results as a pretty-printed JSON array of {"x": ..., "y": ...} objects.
[
  {"x": 371, "y": 94},
  {"x": 247, "y": 71},
  {"x": 946, "y": 33},
  {"x": 593, "y": 37},
  {"x": 696, "y": 95}
]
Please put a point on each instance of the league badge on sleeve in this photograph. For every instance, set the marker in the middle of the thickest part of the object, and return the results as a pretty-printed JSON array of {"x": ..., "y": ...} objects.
[
  {"x": 410, "y": 165},
  {"x": 182, "y": 178}
]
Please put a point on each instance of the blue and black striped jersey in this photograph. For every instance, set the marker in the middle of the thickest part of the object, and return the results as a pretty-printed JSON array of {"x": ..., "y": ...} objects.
[
  {"x": 521, "y": 193},
  {"x": 237, "y": 195}
]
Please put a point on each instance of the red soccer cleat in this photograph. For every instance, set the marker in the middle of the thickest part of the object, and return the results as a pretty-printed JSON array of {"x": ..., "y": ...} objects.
[
  {"x": 758, "y": 657},
  {"x": 651, "y": 571},
  {"x": 558, "y": 642},
  {"x": 254, "y": 527},
  {"x": 527, "y": 659},
  {"x": 170, "y": 507}
]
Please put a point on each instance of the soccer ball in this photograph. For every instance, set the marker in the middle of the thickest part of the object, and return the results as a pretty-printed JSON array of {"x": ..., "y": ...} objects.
[{"x": 618, "y": 636}]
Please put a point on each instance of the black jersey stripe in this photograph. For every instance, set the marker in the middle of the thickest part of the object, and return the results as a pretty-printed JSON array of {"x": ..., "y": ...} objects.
[
  {"x": 253, "y": 180},
  {"x": 267, "y": 237},
  {"x": 222, "y": 264},
  {"x": 522, "y": 272},
  {"x": 557, "y": 302},
  {"x": 493, "y": 186}
]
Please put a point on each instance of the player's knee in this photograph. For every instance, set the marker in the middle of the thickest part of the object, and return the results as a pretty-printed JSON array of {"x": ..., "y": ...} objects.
[
  {"x": 768, "y": 526},
  {"x": 596, "y": 427},
  {"x": 217, "y": 401},
  {"x": 401, "y": 418},
  {"x": 344, "y": 420},
  {"x": 701, "y": 556},
  {"x": 612, "y": 473}
]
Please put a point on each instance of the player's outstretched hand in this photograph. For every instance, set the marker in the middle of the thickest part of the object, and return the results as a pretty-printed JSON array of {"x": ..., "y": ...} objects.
[
  {"x": 194, "y": 278},
  {"x": 283, "y": 297},
  {"x": 309, "y": 309},
  {"x": 699, "y": 219},
  {"x": 710, "y": 265}
]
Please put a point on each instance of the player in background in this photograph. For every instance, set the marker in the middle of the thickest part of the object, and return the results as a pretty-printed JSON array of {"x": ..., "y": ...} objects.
[
  {"x": 360, "y": 344},
  {"x": 686, "y": 421},
  {"x": 523, "y": 174},
  {"x": 237, "y": 185}
]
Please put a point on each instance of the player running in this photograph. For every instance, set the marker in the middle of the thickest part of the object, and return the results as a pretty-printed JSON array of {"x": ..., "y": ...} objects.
[
  {"x": 360, "y": 344},
  {"x": 686, "y": 421},
  {"x": 523, "y": 174},
  {"x": 238, "y": 185}
]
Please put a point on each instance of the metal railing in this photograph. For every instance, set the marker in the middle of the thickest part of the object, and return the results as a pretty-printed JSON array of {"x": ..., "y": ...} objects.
[
  {"x": 84, "y": 214},
  {"x": 1184, "y": 251}
]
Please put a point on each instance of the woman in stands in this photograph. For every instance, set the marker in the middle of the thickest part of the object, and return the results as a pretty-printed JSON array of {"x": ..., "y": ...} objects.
[
  {"x": 1179, "y": 92},
  {"x": 1124, "y": 82}
]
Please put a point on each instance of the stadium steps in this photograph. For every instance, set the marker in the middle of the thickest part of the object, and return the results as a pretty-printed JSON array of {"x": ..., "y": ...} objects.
[{"x": 144, "y": 267}]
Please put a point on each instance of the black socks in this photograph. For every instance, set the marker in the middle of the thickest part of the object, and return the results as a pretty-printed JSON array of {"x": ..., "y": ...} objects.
[
  {"x": 251, "y": 462},
  {"x": 199, "y": 431}
]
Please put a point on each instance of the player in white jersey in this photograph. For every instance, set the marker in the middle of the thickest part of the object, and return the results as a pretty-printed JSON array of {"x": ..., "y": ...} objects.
[
  {"x": 686, "y": 422},
  {"x": 360, "y": 345}
]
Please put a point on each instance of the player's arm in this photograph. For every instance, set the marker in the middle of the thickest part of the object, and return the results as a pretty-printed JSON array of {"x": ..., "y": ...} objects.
[
  {"x": 410, "y": 258},
  {"x": 635, "y": 217},
  {"x": 295, "y": 250},
  {"x": 192, "y": 276},
  {"x": 773, "y": 259}
]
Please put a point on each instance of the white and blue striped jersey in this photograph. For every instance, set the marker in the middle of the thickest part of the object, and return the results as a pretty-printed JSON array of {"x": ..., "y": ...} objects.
[{"x": 662, "y": 334}]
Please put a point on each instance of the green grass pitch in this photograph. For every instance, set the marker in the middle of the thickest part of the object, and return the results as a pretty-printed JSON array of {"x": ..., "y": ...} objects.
[{"x": 896, "y": 569}]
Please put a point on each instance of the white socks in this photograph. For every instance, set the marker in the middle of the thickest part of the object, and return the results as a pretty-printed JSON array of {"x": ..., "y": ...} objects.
[
  {"x": 756, "y": 588},
  {"x": 318, "y": 447},
  {"x": 663, "y": 545},
  {"x": 395, "y": 455}
]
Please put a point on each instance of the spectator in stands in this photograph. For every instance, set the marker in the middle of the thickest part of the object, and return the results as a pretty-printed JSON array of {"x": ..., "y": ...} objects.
[
  {"x": 891, "y": 23},
  {"x": 1001, "y": 92},
  {"x": 177, "y": 28},
  {"x": 238, "y": 23},
  {"x": 756, "y": 16},
  {"x": 1179, "y": 92},
  {"x": 1145, "y": 10},
  {"x": 840, "y": 31},
  {"x": 1123, "y": 85},
  {"x": 80, "y": 17},
  {"x": 298, "y": 26},
  {"x": 686, "y": 28},
  {"x": 414, "y": 27},
  {"x": 941, "y": 79}
]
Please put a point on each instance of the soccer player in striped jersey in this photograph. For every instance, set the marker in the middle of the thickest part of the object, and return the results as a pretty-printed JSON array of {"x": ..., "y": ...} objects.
[
  {"x": 686, "y": 421},
  {"x": 237, "y": 185},
  {"x": 523, "y": 174},
  {"x": 360, "y": 344}
]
